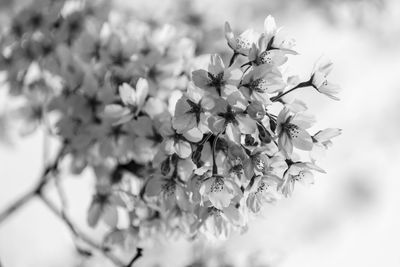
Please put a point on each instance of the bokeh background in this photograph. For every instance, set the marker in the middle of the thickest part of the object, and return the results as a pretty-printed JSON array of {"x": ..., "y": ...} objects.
[{"x": 350, "y": 217}]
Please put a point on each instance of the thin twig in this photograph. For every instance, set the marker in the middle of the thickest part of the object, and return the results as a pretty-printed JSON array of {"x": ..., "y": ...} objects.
[
  {"x": 136, "y": 257},
  {"x": 44, "y": 178},
  {"x": 78, "y": 233},
  {"x": 17, "y": 205}
]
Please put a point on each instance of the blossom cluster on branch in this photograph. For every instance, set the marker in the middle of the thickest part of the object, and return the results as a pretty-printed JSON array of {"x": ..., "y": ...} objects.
[{"x": 180, "y": 143}]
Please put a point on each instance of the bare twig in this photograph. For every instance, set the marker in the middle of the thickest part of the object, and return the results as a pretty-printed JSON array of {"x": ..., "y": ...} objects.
[
  {"x": 44, "y": 178},
  {"x": 139, "y": 253},
  {"x": 79, "y": 234},
  {"x": 51, "y": 171}
]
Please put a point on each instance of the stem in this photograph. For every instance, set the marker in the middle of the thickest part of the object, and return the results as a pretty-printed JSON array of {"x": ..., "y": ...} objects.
[
  {"x": 233, "y": 58},
  {"x": 215, "y": 168},
  {"x": 78, "y": 233},
  {"x": 44, "y": 178},
  {"x": 136, "y": 257},
  {"x": 300, "y": 85},
  {"x": 17, "y": 204}
]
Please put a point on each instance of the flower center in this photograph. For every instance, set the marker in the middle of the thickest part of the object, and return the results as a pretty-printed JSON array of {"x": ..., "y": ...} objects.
[
  {"x": 242, "y": 43},
  {"x": 259, "y": 85},
  {"x": 168, "y": 188},
  {"x": 292, "y": 130},
  {"x": 216, "y": 81},
  {"x": 262, "y": 187},
  {"x": 264, "y": 57},
  {"x": 217, "y": 185},
  {"x": 229, "y": 116},
  {"x": 195, "y": 109}
]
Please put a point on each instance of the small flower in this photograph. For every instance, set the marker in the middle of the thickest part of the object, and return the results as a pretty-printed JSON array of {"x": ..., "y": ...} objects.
[
  {"x": 103, "y": 205},
  {"x": 240, "y": 44},
  {"x": 169, "y": 191},
  {"x": 133, "y": 102},
  {"x": 319, "y": 79},
  {"x": 263, "y": 190},
  {"x": 322, "y": 141},
  {"x": 190, "y": 111},
  {"x": 261, "y": 81},
  {"x": 134, "y": 98},
  {"x": 147, "y": 140},
  {"x": 298, "y": 172},
  {"x": 218, "y": 81},
  {"x": 177, "y": 143},
  {"x": 219, "y": 191},
  {"x": 291, "y": 131},
  {"x": 233, "y": 120},
  {"x": 271, "y": 48}
]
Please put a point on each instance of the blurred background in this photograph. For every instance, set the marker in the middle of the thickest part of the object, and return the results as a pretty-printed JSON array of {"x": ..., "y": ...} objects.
[{"x": 350, "y": 217}]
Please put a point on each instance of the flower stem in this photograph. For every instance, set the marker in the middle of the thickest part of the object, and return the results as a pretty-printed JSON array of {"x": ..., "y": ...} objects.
[
  {"x": 300, "y": 85},
  {"x": 215, "y": 168},
  {"x": 233, "y": 58}
]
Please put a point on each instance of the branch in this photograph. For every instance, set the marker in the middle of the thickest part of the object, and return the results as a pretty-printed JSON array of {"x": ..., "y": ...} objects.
[
  {"x": 79, "y": 234},
  {"x": 136, "y": 257},
  {"x": 17, "y": 205},
  {"x": 300, "y": 85},
  {"x": 44, "y": 178}
]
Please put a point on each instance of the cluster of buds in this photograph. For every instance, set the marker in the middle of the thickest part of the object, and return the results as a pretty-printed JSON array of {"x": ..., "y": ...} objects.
[{"x": 181, "y": 143}]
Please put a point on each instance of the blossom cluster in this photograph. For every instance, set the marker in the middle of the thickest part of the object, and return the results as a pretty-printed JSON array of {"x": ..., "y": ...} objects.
[{"x": 180, "y": 143}]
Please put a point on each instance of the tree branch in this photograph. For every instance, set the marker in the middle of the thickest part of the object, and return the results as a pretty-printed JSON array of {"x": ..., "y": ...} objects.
[
  {"x": 79, "y": 234},
  {"x": 44, "y": 178},
  {"x": 136, "y": 257}
]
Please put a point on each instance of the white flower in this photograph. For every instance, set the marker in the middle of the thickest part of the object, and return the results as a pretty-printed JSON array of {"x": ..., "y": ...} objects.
[
  {"x": 263, "y": 190},
  {"x": 261, "y": 81},
  {"x": 322, "y": 140},
  {"x": 219, "y": 191},
  {"x": 319, "y": 79},
  {"x": 134, "y": 98},
  {"x": 242, "y": 43},
  {"x": 291, "y": 131},
  {"x": 190, "y": 111},
  {"x": 298, "y": 172}
]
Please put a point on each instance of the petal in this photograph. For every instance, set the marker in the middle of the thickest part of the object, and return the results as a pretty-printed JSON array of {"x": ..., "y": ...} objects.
[
  {"x": 246, "y": 124},
  {"x": 302, "y": 140},
  {"x": 269, "y": 26},
  {"x": 233, "y": 133},
  {"x": 306, "y": 178},
  {"x": 94, "y": 213},
  {"x": 327, "y": 134},
  {"x": 193, "y": 135},
  {"x": 220, "y": 199},
  {"x": 143, "y": 126},
  {"x": 185, "y": 169},
  {"x": 183, "y": 149},
  {"x": 155, "y": 107},
  {"x": 230, "y": 37},
  {"x": 216, "y": 65},
  {"x": 200, "y": 78},
  {"x": 303, "y": 120},
  {"x": 207, "y": 103},
  {"x": 285, "y": 144},
  {"x": 142, "y": 90},
  {"x": 110, "y": 215},
  {"x": 154, "y": 186},
  {"x": 184, "y": 122},
  {"x": 127, "y": 94}
]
